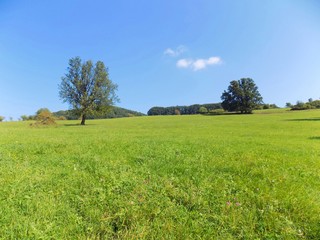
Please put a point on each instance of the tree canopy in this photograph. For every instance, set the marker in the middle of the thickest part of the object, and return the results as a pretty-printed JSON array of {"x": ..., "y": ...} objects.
[
  {"x": 242, "y": 96},
  {"x": 87, "y": 88}
]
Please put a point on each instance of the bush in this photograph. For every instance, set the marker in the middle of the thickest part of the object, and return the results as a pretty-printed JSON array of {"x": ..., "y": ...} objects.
[
  {"x": 203, "y": 110},
  {"x": 315, "y": 103},
  {"x": 302, "y": 106},
  {"x": 266, "y": 106},
  {"x": 1, "y": 118},
  {"x": 24, "y": 117},
  {"x": 61, "y": 118}
]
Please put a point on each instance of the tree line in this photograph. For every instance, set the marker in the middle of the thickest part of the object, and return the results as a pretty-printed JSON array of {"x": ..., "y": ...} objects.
[{"x": 183, "y": 110}]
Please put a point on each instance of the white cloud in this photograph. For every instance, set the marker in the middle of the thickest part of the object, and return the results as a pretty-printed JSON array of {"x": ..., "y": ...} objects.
[
  {"x": 169, "y": 52},
  {"x": 214, "y": 60},
  {"x": 184, "y": 63},
  {"x": 174, "y": 53},
  {"x": 198, "y": 64}
]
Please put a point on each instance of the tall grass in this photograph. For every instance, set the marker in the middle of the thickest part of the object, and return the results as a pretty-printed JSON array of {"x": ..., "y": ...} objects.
[{"x": 172, "y": 177}]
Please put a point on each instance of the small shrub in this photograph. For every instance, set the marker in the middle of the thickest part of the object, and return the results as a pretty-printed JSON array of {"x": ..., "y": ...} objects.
[
  {"x": 61, "y": 118},
  {"x": 203, "y": 110}
]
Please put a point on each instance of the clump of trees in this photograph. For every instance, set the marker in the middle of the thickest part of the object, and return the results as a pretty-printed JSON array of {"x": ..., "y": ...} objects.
[
  {"x": 311, "y": 104},
  {"x": 183, "y": 110},
  {"x": 87, "y": 88},
  {"x": 27, "y": 117},
  {"x": 1, "y": 118},
  {"x": 242, "y": 96}
]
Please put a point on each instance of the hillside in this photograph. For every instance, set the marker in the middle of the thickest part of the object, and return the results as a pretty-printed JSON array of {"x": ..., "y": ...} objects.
[{"x": 114, "y": 112}]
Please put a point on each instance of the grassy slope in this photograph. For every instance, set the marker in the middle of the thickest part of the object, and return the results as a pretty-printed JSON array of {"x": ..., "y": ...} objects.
[{"x": 224, "y": 177}]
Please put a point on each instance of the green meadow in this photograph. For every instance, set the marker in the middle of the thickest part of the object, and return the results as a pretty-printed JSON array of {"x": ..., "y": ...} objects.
[{"x": 165, "y": 177}]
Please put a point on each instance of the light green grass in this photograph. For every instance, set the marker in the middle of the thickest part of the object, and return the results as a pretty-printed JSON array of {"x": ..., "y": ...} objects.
[{"x": 171, "y": 177}]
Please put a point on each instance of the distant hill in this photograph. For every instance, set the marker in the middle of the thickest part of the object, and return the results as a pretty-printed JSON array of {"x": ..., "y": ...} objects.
[{"x": 115, "y": 112}]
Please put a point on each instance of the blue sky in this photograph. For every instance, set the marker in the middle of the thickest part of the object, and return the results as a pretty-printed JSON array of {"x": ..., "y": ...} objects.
[{"x": 159, "y": 52}]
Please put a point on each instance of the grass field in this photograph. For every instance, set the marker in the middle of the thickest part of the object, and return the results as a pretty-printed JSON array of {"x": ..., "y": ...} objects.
[{"x": 170, "y": 177}]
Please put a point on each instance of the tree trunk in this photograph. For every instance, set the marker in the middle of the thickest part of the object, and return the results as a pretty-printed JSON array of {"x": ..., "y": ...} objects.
[{"x": 83, "y": 119}]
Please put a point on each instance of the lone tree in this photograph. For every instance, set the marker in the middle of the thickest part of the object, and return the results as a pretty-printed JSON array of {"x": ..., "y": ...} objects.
[
  {"x": 242, "y": 96},
  {"x": 87, "y": 88}
]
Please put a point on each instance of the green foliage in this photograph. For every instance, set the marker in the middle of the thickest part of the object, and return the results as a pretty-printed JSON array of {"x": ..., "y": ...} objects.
[
  {"x": 315, "y": 103},
  {"x": 267, "y": 106},
  {"x": 1, "y": 118},
  {"x": 288, "y": 105},
  {"x": 24, "y": 117},
  {"x": 87, "y": 88},
  {"x": 61, "y": 118},
  {"x": 184, "y": 110},
  {"x": 182, "y": 177},
  {"x": 114, "y": 112},
  {"x": 203, "y": 110},
  {"x": 301, "y": 106},
  {"x": 242, "y": 96},
  {"x": 308, "y": 105},
  {"x": 42, "y": 110},
  {"x": 118, "y": 112},
  {"x": 27, "y": 118}
]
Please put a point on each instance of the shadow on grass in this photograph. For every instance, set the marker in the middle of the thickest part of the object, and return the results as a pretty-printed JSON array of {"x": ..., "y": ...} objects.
[
  {"x": 223, "y": 114},
  {"x": 72, "y": 125},
  {"x": 314, "y": 138},
  {"x": 304, "y": 119},
  {"x": 77, "y": 125}
]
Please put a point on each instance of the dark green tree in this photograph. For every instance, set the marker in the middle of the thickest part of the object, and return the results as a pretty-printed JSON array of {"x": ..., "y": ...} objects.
[
  {"x": 288, "y": 105},
  {"x": 242, "y": 96},
  {"x": 87, "y": 88}
]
